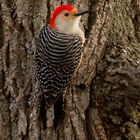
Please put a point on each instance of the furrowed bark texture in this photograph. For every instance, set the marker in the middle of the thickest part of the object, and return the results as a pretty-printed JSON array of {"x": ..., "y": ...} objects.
[
  {"x": 116, "y": 87},
  {"x": 102, "y": 102}
]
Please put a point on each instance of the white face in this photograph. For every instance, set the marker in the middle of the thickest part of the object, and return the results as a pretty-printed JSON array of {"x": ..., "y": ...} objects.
[{"x": 67, "y": 22}]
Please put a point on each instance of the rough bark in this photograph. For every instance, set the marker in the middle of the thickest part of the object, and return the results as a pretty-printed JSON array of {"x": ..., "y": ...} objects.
[{"x": 102, "y": 102}]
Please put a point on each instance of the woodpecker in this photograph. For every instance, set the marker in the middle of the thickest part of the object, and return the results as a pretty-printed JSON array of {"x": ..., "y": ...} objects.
[{"x": 58, "y": 53}]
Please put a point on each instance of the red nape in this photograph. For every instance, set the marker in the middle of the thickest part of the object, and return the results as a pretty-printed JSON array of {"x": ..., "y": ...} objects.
[{"x": 56, "y": 13}]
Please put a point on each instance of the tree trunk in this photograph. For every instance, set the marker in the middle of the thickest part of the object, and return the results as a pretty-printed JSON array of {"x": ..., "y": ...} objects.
[{"x": 103, "y": 100}]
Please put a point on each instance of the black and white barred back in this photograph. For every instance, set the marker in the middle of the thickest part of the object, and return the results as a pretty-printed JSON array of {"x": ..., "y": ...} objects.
[{"x": 57, "y": 57}]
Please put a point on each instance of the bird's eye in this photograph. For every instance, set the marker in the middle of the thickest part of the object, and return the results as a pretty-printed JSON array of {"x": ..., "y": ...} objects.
[{"x": 66, "y": 14}]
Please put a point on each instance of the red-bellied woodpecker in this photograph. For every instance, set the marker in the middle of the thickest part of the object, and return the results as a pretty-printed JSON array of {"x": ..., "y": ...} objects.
[{"x": 58, "y": 52}]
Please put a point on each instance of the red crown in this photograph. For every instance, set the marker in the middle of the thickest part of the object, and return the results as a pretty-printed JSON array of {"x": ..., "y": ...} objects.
[{"x": 57, "y": 11}]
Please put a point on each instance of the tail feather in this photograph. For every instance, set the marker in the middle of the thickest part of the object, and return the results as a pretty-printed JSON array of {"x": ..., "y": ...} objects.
[
  {"x": 58, "y": 110},
  {"x": 43, "y": 111}
]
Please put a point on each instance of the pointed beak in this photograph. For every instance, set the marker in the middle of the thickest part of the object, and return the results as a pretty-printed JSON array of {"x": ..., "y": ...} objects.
[{"x": 81, "y": 13}]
